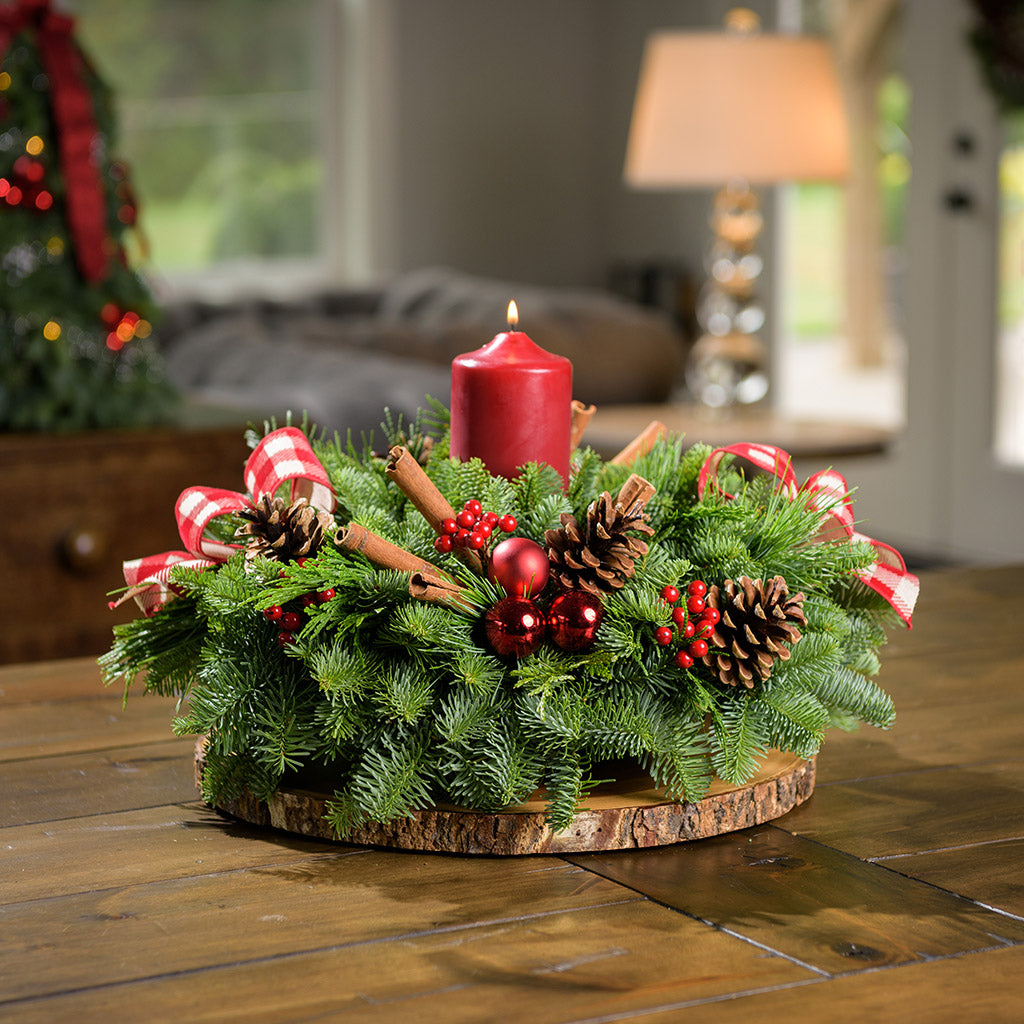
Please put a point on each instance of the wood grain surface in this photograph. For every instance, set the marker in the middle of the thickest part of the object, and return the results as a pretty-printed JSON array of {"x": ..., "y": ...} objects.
[{"x": 894, "y": 893}]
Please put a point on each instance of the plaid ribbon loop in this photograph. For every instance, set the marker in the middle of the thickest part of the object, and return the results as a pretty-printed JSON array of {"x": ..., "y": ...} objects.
[
  {"x": 283, "y": 456},
  {"x": 827, "y": 491}
]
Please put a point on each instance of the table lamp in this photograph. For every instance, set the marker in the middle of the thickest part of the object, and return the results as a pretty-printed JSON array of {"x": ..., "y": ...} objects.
[{"x": 734, "y": 109}]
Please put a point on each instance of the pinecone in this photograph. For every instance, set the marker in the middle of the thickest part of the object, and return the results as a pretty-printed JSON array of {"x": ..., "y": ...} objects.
[
  {"x": 758, "y": 619},
  {"x": 597, "y": 555},
  {"x": 282, "y": 532}
]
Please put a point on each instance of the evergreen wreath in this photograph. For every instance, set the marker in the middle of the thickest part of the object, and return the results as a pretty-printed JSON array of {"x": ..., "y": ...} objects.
[{"x": 408, "y": 704}]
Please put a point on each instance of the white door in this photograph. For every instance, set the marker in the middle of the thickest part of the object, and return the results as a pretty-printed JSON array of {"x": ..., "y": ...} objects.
[{"x": 942, "y": 491}]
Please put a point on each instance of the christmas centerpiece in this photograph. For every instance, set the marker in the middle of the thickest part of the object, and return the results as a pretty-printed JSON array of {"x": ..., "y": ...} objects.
[{"x": 405, "y": 647}]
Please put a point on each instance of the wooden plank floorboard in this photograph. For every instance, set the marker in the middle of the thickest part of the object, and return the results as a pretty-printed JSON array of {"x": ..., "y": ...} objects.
[
  {"x": 991, "y": 873},
  {"x": 915, "y": 811},
  {"x": 806, "y": 901},
  {"x": 40, "y": 730},
  {"x": 71, "y": 679},
  {"x": 106, "y": 851},
  {"x": 72, "y": 785},
  {"x": 987, "y": 731},
  {"x": 205, "y": 920},
  {"x": 618, "y": 959},
  {"x": 978, "y": 988}
]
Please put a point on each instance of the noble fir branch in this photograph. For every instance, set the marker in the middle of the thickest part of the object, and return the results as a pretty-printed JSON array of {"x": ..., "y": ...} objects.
[
  {"x": 741, "y": 737},
  {"x": 391, "y": 780},
  {"x": 165, "y": 648},
  {"x": 500, "y": 769}
]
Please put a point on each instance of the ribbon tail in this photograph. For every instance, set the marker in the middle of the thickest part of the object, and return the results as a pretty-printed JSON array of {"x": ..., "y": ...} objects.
[
  {"x": 888, "y": 576},
  {"x": 149, "y": 579}
]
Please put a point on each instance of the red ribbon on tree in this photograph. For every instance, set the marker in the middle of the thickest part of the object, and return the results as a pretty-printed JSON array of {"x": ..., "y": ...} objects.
[
  {"x": 76, "y": 132},
  {"x": 827, "y": 491},
  {"x": 283, "y": 456}
]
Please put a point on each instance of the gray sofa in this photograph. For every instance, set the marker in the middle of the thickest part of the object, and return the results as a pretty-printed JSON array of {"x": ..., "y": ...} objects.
[{"x": 343, "y": 356}]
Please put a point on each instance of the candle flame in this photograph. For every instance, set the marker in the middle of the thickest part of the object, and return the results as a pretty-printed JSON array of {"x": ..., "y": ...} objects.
[{"x": 513, "y": 313}]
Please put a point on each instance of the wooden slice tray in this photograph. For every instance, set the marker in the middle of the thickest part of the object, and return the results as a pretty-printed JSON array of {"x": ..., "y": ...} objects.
[{"x": 624, "y": 815}]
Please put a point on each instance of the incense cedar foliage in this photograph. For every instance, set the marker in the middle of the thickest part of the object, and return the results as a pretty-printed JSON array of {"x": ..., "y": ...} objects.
[{"x": 408, "y": 706}]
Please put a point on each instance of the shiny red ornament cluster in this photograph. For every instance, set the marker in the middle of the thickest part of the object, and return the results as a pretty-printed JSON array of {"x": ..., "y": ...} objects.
[
  {"x": 25, "y": 188},
  {"x": 692, "y": 622},
  {"x": 472, "y": 528},
  {"x": 517, "y": 626},
  {"x": 290, "y": 618}
]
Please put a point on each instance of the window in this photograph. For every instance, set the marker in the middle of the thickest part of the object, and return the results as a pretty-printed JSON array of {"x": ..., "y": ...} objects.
[
  {"x": 840, "y": 349},
  {"x": 225, "y": 119}
]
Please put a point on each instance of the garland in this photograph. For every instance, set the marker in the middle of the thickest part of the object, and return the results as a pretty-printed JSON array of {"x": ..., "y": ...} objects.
[{"x": 741, "y": 614}]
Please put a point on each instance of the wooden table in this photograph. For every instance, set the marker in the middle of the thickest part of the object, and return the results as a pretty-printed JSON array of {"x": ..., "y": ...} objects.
[{"x": 895, "y": 893}]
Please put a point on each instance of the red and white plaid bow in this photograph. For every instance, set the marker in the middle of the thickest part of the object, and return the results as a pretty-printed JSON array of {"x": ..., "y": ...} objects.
[
  {"x": 282, "y": 456},
  {"x": 828, "y": 492}
]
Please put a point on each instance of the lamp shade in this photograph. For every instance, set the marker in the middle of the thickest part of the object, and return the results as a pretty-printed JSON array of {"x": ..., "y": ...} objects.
[{"x": 711, "y": 107}]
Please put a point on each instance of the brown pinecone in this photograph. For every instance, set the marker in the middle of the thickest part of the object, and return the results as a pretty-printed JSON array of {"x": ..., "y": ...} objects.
[
  {"x": 282, "y": 532},
  {"x": 598, "y": 554},
  {"x": 758, "y": 619}
]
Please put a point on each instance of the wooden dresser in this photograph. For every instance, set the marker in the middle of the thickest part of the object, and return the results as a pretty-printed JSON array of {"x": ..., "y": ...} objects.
[{"x": 80, "y": 504}]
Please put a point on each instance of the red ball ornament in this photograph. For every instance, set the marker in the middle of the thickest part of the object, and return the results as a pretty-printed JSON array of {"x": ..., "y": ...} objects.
[
  {"x": 574, "y": 619},
  {"x": 521, "y": 566},
  {"x": 515, "y": 627}
]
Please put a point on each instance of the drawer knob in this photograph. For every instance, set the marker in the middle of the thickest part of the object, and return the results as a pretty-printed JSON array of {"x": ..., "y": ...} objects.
[{"x": 84, "y": 548}]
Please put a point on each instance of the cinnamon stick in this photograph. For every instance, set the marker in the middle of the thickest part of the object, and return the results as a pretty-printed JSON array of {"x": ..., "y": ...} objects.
[
  {"x": 580, "y": 418},
  {"x": 641, "y": 444},
  {"x": 634, "y": 495},
  {"x": 438, "y": 589},
  {"x": 380, "y": 551},
  {"x": 412, "y": 480},
  {"x": 414, "y": 483}
]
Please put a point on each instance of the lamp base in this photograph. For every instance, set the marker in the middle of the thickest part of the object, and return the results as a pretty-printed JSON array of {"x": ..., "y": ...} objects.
[{"x": 729, "y": 369}]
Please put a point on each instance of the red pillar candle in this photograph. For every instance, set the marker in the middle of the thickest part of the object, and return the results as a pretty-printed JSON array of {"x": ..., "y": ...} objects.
[{"x": 511, "y": 404}]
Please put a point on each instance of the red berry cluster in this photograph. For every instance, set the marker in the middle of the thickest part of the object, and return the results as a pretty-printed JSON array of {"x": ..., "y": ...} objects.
[
  {"x": 289, "y": 619},
  {"x": 693, "y": 620},
  {"x": 472, "y": 528}
]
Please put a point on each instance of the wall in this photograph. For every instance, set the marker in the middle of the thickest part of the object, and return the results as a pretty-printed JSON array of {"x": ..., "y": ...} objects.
[{"x": 509, "y": 125}]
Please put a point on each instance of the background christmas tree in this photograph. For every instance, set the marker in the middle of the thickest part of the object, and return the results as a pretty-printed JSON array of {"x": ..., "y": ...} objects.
[{"x": 75, "y": 317}]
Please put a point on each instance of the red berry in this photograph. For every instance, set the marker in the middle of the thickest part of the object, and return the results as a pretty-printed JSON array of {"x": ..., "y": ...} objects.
[
  {"x": 491, "y": 519},
  {"x": 695, "y": 604},
  {"x": 308, "y": 599},
  {"x": 683, "y": 660},
  {"x": 663, "y": 634},
  {"x": 273, "y": 613},
  {"x": 689, "y": 629},
  {"x": 698, "y": 648},
  {"x": 466, "y": 519},
  {"x": 711, "y": 615},
  {"x": 704, "y": 630},
  {"x": 462, "y": 538},
  {"x": 670, "y": 594},
  {"x": 485, "y": 529},
  {"x": 507, "y": 524},
  {"x": 679, "y": 615},
  {"x": 291, "y": 621},
  {"x": 476, "y": 541},
  {"x": 474, "y": 507},
  {"x": 698, "y": 588},
  {"x": 325, "y": 595},
  {"x": 301, "y": 561},
  {"x": 284, "y": 638},
  {"x": 449, "y": 526},
  {"x": 444, "y": 543}
]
